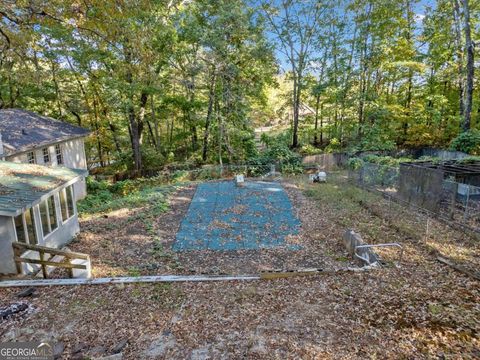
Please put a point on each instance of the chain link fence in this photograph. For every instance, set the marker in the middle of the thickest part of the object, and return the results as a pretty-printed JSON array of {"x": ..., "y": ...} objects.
[{"x": 424, "y": 190}]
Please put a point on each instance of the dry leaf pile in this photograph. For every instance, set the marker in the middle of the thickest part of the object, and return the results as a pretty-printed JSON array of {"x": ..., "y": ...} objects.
[{"x": 422, "y": 309}]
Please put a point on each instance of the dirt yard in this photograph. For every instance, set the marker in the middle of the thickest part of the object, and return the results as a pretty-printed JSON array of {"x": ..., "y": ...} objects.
[
  {"x": 420, "y": 309},
  {"x": 120, "y": 243}
]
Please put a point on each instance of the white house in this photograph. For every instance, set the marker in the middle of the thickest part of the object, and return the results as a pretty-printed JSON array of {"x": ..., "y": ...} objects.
[
  {"x": 37, "y": 207},
  {"x": 27, "y": 137}
]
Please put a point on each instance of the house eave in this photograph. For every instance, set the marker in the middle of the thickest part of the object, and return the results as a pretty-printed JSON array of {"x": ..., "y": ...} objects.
[{"x": 25, "y": 149}]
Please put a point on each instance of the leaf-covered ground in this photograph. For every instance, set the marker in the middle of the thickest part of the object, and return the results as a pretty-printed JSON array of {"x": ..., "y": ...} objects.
[{"x": 422, "y": 309}]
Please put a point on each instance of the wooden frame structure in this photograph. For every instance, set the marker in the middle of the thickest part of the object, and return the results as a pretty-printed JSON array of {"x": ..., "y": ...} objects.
[
  {"x": 44, "y": 261},
  {"x": 463, "y": 171}
]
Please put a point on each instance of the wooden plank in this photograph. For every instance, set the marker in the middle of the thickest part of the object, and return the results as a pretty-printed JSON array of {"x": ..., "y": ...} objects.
[
  {"x": 69, "y": 254},
  {"x": 51, "y": 263},
  {"x": 18, "y": 264},
  {"x": 125, "y": 280},
  {"x": 70, "y": 269},
  {"x": 459, "y": 268},
  {"x": 288, "y": 274}
]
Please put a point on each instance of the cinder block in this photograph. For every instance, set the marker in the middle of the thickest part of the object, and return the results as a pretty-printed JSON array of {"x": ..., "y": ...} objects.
[{"x": 351, "y": 240}]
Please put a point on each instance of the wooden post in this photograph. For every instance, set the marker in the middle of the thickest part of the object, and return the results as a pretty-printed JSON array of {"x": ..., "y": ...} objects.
[
  {"x": 18, "y": 264},
  {"x": 70, "y": 270},
  {"x": 44, "y": 267},
  {"x": 427, "y": 232}
]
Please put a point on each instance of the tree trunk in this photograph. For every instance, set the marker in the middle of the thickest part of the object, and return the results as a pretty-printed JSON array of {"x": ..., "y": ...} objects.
[
  {"x": 470, "y": 68},
  {"x": 459, "y": 55},
  {"x": 211, "y": 98},
  {"x": 295, "y": 112},
  {"x": 317, "y": 105},
  {"x": 321, "y": 124}
]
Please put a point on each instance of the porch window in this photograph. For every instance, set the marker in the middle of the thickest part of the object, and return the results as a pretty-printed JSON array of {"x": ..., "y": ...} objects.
[
  {"x": 20, "y": 228},
  {"x": 44, "y": 218},
  {"x": 71, "y": 209},
  {"x": 31, "y": 157},
  {"x": 30, "y": 224},
  {"x": 59, "y": 155},
  {"x": 46, "y": 155},
  {"x": 66, "y": 203},
  {"x": 52, "y": 211},
  {"x": 48, "y": 216}
]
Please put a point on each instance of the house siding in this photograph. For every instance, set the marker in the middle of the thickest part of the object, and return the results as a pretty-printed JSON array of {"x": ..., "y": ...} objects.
[
  {"x": 7, "y": 236},
  {"x": 73, "y": 157}
]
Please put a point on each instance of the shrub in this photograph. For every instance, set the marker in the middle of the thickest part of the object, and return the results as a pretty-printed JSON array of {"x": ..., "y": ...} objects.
[
  {"x": 468, "y": 142},
  {"x": 279, "y": 153},
  {"x": 355, "y": 163},
  {"x": 376, "y": 139},
  {"x": 103, "y": 196},
  {"x": 333, "y": 146},
  {"x": 309, "y": 149}
]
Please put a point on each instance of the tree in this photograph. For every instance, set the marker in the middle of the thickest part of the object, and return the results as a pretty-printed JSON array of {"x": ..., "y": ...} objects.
[
  {"x": 295, "y": 26},
  {"x": 470, "y": 68}
]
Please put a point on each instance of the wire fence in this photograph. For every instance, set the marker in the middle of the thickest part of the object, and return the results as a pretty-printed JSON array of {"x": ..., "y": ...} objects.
[{"x": 424, "y": 190}]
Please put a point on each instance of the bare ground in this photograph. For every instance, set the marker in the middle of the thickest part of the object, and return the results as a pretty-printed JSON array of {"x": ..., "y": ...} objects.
[
  {"x": 119, "y": 244},
  {"x": 422, "y": 309}
]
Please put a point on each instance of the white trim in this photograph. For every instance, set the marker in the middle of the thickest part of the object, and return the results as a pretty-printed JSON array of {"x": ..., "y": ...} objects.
[
  {"x": 126, "y": 280},
  {"x": 37, "y": 224},
  {"x": 15, "y": 227}
]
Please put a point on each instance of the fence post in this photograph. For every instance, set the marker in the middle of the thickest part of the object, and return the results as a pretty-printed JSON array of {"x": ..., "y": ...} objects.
[
  {"x": 466, "y": 204},
  {"x": 427, "y": 230},
  {"x": 453, "y": 200}
]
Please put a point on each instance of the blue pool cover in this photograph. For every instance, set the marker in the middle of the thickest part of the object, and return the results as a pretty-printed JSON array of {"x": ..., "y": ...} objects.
[{"x": 223, "y": 216}]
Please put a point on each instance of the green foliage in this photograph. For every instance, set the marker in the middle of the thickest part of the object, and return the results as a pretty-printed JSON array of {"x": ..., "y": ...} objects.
[
  {"x": 195, "y": 91},
  {"x": 333, "y": 146},
  {"x": 377, "y": 139},
  {"x": 103, "y": 197},
  {"x": 279, "y": 153},
  {"x": 469, "y": 160},
  {"x": 467, "y": 142},
  {"x": 355, "y": 163},
  {"x": 309, "y": 149}
]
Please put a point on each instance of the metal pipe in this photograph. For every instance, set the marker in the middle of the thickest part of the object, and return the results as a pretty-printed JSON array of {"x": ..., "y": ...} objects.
[{"x": 378, "y": 245}]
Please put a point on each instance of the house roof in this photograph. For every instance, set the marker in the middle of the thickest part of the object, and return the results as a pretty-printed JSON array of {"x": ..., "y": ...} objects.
[
  {"x": 25, "y": 185},
  {"x": 23, "y": 130}
]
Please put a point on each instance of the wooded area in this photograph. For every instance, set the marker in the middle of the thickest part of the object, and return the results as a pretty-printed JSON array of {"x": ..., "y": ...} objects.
[{"x": 188, "y": 81}]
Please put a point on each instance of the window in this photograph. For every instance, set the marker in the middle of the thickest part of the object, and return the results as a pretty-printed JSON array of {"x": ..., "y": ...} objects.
[
  {"x": 66, "y": 203},
  {"x": 48, "y": 216},
  {"x": 63, "y": 205},
  {"x": 20, "y": 228},
  {"x": 58, "y": 153},
  {"x": 46, "y": 155},
  {"x": 44, "y": 218},
  {"x": 30, "y": 223},
  {"x": 52, "y": 211},
  {"x": 31, "y": 157}
]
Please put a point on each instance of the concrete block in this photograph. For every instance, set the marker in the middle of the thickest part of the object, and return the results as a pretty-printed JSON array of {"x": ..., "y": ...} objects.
[
  {"x": 351, "y": 240},
  {"x": 80, "y": 273}
]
